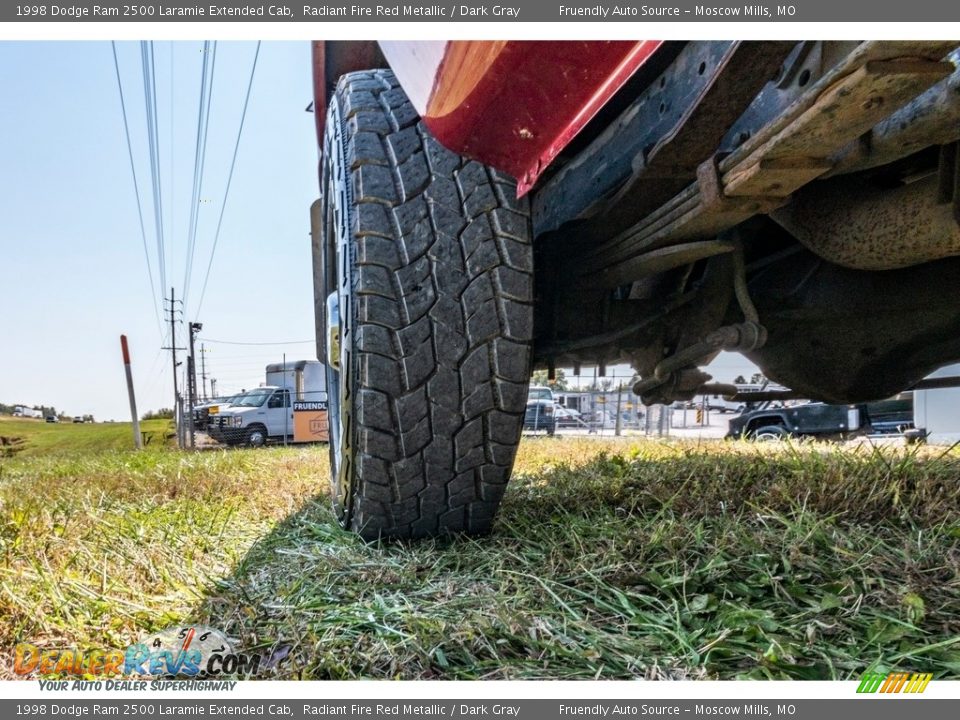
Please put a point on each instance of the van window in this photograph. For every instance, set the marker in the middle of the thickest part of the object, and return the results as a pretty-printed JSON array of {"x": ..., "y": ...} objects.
[
  {"x": 281, "y": 398},
  {"x": 254, "y": 398}
]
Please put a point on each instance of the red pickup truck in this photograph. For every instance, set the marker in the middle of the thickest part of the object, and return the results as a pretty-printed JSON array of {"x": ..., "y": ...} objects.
[{"x": 491, "y": 207}]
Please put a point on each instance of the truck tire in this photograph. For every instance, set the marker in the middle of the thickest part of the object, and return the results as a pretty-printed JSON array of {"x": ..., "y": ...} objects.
[
  {"x": 770, "y": 433},
  {"x": 428, "y": 274}
]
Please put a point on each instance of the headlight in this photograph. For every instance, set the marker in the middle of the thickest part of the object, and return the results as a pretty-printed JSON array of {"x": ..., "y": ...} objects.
[
  {"x": 548, "y": 409},
  {"x": 237, "y": 421}
]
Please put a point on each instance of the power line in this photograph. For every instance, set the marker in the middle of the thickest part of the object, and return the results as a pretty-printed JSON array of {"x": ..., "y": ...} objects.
[
  {"x": 154, "y": 374},
  {"x": 234, "y": 342},
  {"x": 136, "y": 185},
  {"x": 233, "y": 162},
  {"x": 173, "y": 164},
  {"x": 199, "y": 158},
  {"x": 150, "y": 100}
]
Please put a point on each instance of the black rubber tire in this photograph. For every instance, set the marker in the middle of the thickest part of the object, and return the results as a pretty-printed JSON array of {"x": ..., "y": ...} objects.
[
  {"x": 770, "y": 433},
  {"x": 431, "y": 258}
]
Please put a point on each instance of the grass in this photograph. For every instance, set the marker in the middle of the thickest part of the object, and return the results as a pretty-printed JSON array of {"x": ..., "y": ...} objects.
[
  {"x": 36, "y": 437},
  {"x": 611, "y": 559}
]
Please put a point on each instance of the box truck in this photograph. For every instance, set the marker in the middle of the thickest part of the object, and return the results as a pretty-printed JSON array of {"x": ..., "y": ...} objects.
[{"x": 291, "y": 406}]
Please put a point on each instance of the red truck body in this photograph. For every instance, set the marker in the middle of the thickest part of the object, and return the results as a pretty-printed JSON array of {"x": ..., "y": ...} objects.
[{"x": 542, "y": 93}]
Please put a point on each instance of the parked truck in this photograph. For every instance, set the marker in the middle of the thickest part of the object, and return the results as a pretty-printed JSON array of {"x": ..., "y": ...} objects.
[
  {"x": 893, "y": 416},
  {"x": 269, "y": 412},
  {"x": 487, "y": 208}
]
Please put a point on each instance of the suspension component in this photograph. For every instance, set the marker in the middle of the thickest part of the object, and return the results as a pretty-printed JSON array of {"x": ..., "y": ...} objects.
[{"x": 677, "y": 378}]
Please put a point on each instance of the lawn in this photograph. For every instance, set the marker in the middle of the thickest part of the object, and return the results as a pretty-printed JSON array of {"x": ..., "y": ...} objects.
[
  {"x": 36, "y": 437},
  {"x": 611, "y": 559}
]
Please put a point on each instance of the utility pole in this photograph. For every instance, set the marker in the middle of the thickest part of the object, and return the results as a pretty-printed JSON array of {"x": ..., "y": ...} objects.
[
  {"x": 195, "y": 327},
  {"x": 177, "y": 405},
  {"x": 203, "y": 368},
  {"x": 213, "y": 387}
]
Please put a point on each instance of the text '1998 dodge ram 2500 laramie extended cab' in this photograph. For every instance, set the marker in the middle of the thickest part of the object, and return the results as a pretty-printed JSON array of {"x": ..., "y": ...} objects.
[{"x": 487, "y": 208}]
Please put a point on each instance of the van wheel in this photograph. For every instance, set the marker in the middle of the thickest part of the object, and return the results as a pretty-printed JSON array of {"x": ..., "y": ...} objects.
[
  {"x": 428, "y": 274},
  {"x": 257, "y": 436}
]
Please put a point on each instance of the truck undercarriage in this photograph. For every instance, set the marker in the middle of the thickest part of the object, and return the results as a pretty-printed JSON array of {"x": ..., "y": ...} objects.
[
  {"x": 824, "y": 209},
  {"x": 795, "y": 202}
]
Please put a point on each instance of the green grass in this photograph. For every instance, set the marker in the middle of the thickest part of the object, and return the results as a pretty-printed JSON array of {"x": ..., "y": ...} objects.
[
  {"x": 610, "y": 560},
  {"x": 36, "y": 437}
]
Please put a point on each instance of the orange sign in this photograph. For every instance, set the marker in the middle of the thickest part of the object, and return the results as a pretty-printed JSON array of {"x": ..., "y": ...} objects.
[{"x": 310, "y": 422}]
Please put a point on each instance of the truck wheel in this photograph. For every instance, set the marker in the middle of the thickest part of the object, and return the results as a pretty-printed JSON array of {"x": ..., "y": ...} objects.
[
  {"x": 428, "y": 273},
  {"x": 770, "y": 433},
  {"x": 257, "y": 436}
]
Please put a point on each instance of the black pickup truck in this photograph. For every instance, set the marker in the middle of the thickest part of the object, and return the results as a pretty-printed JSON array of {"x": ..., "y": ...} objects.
[{"x": 884, "y": 417}]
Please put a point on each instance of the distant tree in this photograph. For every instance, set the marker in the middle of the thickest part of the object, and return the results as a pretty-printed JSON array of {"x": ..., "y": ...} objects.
[
  {"x": 757, "y": 379},
  {"x": 162, "y": 413},
  {"x": 739, "y": 380},
  {"x": 540, "y": 378}
]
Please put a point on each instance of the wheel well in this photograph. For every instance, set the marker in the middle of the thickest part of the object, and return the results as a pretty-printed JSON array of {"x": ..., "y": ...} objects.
[{"x": 764, "y": 421}]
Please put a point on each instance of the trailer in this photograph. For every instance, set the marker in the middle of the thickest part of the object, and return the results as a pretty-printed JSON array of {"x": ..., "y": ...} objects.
[
  {"x": 936, "y": 413},
  {"x": 26, "y": 412}
]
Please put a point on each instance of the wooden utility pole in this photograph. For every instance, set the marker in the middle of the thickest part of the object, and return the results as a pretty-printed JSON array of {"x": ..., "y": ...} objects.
[
  {"x": 137, "y": 437},
  {"x": 173, "y": 345},
  {"x": 177, "y": 404}
]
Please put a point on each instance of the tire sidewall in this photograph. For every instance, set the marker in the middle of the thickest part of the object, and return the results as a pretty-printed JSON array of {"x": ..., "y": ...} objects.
[
  {"x": 770, "y": 433},
  {"x": 338, "y": 274}
]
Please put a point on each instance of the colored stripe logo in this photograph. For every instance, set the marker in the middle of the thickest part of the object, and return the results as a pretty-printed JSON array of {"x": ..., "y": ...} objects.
[{"x": 895, "y": 682}]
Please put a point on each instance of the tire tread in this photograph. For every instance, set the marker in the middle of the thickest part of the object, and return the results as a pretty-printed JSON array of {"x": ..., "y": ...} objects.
[{"x": 444, "y": 284}]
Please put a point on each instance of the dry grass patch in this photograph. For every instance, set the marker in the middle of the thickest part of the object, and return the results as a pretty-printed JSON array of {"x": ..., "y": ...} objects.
[{"x": 611, "y": 559}]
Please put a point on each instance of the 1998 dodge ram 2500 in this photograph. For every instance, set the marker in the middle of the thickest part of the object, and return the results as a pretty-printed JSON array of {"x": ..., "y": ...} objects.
[{"x": 491, "y": 207}]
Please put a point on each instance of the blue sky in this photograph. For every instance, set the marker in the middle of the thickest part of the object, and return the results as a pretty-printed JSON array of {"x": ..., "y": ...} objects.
[
  {"x": 73, "y": 276},
  {"x": 72, "y": 271}
]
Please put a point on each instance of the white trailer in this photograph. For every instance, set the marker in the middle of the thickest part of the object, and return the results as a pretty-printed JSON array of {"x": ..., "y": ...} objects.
[
  {"x": 937, "y": 412},
  {"x": 24, "y": 411}
]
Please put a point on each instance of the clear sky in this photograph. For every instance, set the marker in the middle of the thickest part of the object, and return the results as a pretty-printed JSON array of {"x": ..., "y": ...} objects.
[{"x": 73, "y": 275}]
